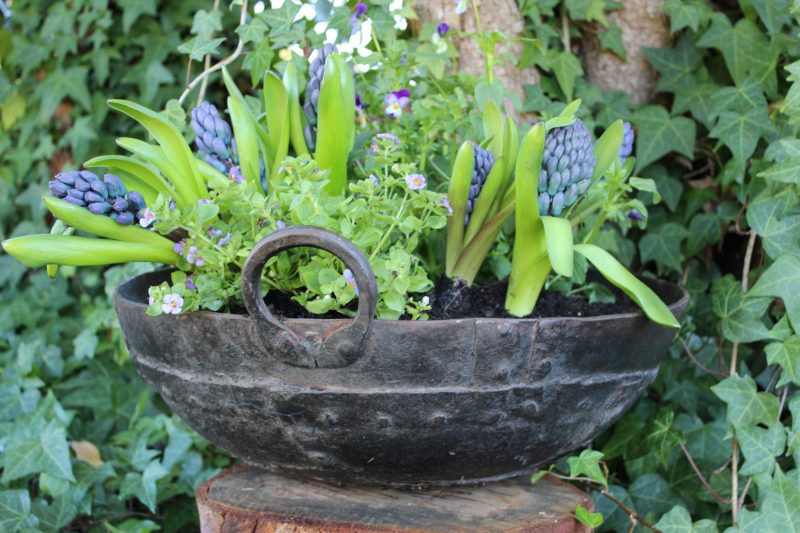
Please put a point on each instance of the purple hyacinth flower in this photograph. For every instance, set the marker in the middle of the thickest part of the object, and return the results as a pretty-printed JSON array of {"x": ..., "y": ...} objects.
[{"x": 442, "y": 28}]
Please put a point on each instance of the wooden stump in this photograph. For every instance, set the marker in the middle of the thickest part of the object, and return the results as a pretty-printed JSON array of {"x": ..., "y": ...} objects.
[{"x": 248, "y": 499}]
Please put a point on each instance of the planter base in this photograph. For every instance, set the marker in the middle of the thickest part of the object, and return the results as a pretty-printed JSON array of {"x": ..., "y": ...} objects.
[{"x": 245, "y": 498}]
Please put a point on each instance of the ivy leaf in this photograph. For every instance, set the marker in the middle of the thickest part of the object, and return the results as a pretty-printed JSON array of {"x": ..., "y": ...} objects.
[
  {"x": 660, "y": 134},
  {"x": 746, "y": 407},
  {"x": 143, "y": 485},
  {"x": 37, "y": 448},
  {"x": 787, "y": 171},
  {"x": 259, "y": 60},
  {"x": 744, "y": 48},
  {"x": 15, "y": 510},
  {"x": 793, "y": 440},
  {"x": 696, "y": 98},
  {"x": 205, "y": 23},
  {"x": 704, "y": 230},
  {"x": 662, "y": 439},
  {"x": 742, "y": 98},
  {"x": 79, "y": 137},
  {"x": 587, "y": 464},
  {"x": 652, "y": 494},
  {"x": 60, "y": 84},
  {"x": 588, "y": 518},
  {"x": 567, "y": 68},
  {"x": 766, "y": 214},
  {"x": 787, "y": 355},
  {"x": 782, "y": 280},
  {"x": 57, "y": 514},
  {"x": 760, "y": 447},
  {"x": 677, "y": 65},
  {"x": 198, "y": 47},
  {"x": 678, "y": 520},
  {"x": 253, "y": 31},
  {"x": 686, "y": 14},
  {"x": 740, "y": 314},
  {"x": 587, "y": 10},
  {"x": 664, "y": 246},
  {"x": 773, "y": 13},
  {"x": 741, "y": 131},
  {"x": 779, "y": 512},
  {"x": 133, "y": 9},
  {"x": 280, "y": 20},
  {"x": 611, "y": 39}
]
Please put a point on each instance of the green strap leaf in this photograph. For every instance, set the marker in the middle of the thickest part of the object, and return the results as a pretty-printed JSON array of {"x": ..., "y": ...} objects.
[
  {"x": 246, "y": 140},
  {"x": 276, "y": 104},
  {"x": 619, "y": 276},
  {"x": 39, "y": 250},
  {"x": 296, "y": 117},
  {"x": 155, "y": 156},
  {"x": 172, "y": 142},
  {"x": 558, "y": 234},
  {"x": 529, "y": 263},
  {"x": 82, "y": 219},
  {"x": 606, "y": 149},
  {"x": 457, "y": 195},
  {"x": 472, "y": 256},
  {"x": 336, "y": 123}
]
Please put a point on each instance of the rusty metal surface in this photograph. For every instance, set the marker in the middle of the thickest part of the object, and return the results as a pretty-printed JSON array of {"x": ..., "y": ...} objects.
[
  {"x": 246, "y": 498},
  {"x": 421, "y": 403}
]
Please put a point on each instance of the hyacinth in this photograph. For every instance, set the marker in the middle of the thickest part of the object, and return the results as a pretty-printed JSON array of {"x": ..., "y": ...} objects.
[
  {"x": 627, "y": 141},
  {"x": 102, "y": 197},
  {"x": 484, "y": 161},
  {"x": 214, "y": 138},
  {"x": 316, "y": 70},
  {"x": 567, "y": 167}
]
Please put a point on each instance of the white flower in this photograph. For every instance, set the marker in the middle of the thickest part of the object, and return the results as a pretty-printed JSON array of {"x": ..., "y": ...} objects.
[
  {"x": 426, "y": 300},
  {"x": 172, "y": 304},
  {"x": 461, "y": 7},
  {"x": 148, "y": 217}
]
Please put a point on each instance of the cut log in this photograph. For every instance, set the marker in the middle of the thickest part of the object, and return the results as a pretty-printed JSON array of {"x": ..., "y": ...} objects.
[{"x": 248, "y": 499}]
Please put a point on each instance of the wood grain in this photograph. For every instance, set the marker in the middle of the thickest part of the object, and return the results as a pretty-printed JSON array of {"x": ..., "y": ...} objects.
[{"x": 248, "y": 499}]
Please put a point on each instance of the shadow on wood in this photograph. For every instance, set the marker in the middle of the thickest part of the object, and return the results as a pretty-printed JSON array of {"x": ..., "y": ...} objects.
[{"x": 248, "y": 499}]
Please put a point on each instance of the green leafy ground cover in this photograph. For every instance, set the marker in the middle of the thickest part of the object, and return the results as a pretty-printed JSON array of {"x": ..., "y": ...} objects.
[{"x": 85, "y": 445}]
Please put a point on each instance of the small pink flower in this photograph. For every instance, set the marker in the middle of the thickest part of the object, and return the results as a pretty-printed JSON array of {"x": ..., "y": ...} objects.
[
  {"x": 179, "y": 247},
  {"x": 415, "y": 181},
  {"x": 172, "y": 304}
]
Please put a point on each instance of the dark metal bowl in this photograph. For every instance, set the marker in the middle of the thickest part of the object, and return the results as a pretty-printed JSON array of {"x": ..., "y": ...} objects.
[{"x": 391, "y": 402}]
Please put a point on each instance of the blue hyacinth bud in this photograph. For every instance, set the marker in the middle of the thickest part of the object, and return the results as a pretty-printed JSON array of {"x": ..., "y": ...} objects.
[
  {"x": 99, "y": 208},
  {"x": 626, "y": 149},
  {"x": 124, "y": 219},
  {"x": 120, "y": 204},
  {"x": 316, "y": 70},
  {"x": 58, "y": 189},
  {"x": 81, "y": 184},
  {"x": 484, "y": 161},
  {"x": 136, "y": 200},
  {"x": 567, "y": 167},
  {"x": 92, "y": 197},
  {"x": 99, "y": 187},
  {"x": 114, "y": 185},
  {"x": 76, "y": 201},
  {"x": 67, "y": 178}
]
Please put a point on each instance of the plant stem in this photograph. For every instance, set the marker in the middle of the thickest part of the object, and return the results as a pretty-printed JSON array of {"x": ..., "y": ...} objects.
[
  {"x": 391, "y": 228},
  {"x": 206, "y": 65},
  {"x": 702, "y": 478},
  {"x": 221, "y": 63}
]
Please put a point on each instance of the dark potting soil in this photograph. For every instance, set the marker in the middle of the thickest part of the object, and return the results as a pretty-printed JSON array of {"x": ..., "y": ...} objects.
[{"x": 451, "y": 300}]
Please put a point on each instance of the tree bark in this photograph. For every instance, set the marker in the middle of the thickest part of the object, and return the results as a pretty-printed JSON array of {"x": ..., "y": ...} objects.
[
  {"x": 502, "y": 15},
  {"x": 643, "y": 24}
]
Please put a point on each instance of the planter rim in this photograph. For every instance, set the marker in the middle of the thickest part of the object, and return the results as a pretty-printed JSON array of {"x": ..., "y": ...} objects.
[{"x": 124, "y": 288}]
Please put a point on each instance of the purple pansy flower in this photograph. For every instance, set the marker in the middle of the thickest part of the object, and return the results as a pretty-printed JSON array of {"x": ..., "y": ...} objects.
[
  {"x": 633, "y": 214},
  {"x": 361, "y": 8},
  {"x": 396, "y": 102},
  {"x": 147, "y": 218},
  {"x": 359, "y": 103},
  {"x": 179, "y": 247},
  {"x": 350, "y": 279},
  {"x": 446, "y": 203},
  {"x": 442, "y": 28},
  {"x": 172, "y": 304},
  {"x": 415, "y": 181}
]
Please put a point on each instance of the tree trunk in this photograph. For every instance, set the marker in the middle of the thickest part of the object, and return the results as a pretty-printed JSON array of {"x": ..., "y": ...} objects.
[
  {"x": 643, "y": 23},
  {"x": 502, "y": 15}
]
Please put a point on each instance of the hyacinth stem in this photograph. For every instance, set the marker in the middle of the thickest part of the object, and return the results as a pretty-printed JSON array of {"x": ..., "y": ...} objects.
[
  {"x": 530, "y": 264},
  {"x": 296, "y": 125},
  {"x": 40, "y": 250},
  {"x": 473, "y": 255}
]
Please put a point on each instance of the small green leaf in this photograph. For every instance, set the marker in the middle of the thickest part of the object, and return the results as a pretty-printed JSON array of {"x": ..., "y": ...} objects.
[
  {"x": 740, "y": 315},
  {"x": 782, "y": 280},
  {"x": 660, "y": 134},
  {"x": 746, "y": 406},
  {"x": 198, "y": 47},
  {"x": 588, "y": 518},
  {"x": 587, "y": 464}
]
